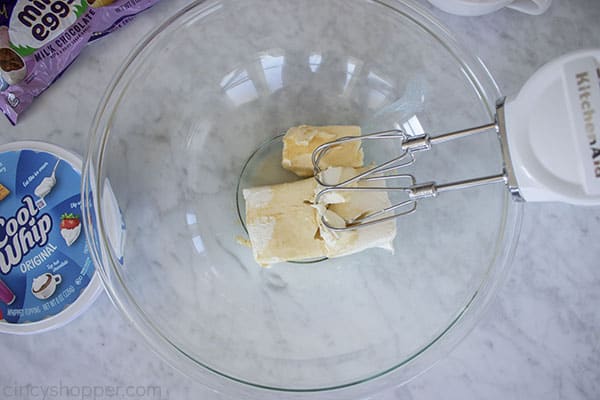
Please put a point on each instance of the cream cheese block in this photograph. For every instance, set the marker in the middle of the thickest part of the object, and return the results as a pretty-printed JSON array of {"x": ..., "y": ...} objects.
[
  {"x": 299, "y": 143},
  {"x": 284, "y": 224},
  {"x": 281, "y": 222},
  {"x": 341, "y": 208}
]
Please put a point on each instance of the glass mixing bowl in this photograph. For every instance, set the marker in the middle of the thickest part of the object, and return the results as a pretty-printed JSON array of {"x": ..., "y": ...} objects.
[{"x": 177, "y": 126}]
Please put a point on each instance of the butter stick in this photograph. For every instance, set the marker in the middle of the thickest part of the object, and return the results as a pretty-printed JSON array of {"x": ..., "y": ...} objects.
[{"x": 299, "y": 143}]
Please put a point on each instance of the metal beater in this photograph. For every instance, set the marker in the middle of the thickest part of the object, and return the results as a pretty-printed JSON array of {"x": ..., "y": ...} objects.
[{"x": 558, "y": 106}]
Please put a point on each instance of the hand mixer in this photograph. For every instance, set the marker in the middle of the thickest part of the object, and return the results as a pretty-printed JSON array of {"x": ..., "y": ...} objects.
[{"x": 549, "y": 137}]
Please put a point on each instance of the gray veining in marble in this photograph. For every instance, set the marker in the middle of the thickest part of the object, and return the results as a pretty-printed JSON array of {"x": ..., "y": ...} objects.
[{"x": 540, "y": 336}]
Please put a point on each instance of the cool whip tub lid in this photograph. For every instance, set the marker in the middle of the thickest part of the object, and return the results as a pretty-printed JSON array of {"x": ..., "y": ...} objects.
[{"x": 47, "y": 277}]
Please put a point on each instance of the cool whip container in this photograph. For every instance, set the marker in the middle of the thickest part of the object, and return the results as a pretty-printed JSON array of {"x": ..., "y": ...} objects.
[{"x": 47, "y": 277}]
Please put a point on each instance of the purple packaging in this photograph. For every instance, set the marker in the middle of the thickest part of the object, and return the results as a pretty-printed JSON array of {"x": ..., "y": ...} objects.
[{"x": 39, "y": 39}]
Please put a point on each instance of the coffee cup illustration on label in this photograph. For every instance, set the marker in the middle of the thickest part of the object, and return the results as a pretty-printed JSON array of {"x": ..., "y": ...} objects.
[{"x": 44, "y": 285}]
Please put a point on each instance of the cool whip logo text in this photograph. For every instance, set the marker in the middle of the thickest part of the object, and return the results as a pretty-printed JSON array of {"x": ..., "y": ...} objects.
[{"x": 21, "y": 233}]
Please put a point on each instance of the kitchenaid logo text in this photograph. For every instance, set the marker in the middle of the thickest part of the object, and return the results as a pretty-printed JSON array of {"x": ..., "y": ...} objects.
[
  {"x": 44, "y": 16},
  {"x": 584, "y": 86},
  {"x": 21, "y": 233}
]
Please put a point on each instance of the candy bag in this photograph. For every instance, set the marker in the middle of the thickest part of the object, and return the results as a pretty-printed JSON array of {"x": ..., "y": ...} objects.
[{"x": 39, "y": 39}]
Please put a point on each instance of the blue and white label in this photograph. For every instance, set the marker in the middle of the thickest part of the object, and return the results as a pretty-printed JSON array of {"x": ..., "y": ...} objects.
[{"x": 44, "y": 258}]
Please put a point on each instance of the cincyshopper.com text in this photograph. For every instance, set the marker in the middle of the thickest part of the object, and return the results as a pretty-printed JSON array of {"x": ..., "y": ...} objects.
[{"x": 83, "y": 392}]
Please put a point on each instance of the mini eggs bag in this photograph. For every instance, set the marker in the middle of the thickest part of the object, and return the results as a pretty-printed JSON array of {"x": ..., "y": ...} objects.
[{"x": 39, "y": 39}]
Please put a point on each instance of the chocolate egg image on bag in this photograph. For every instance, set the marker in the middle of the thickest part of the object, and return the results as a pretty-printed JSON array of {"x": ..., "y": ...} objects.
[{"x": 12, "y": 65}]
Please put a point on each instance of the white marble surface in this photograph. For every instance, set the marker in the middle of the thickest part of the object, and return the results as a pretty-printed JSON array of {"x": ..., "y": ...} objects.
[{"x": 539, "y": 338}]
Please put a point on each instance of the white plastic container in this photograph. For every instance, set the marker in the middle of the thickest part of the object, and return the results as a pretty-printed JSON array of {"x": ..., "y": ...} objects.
[
  {"x": 47, "y": 276},
  {"x": 481, "y": 7}
]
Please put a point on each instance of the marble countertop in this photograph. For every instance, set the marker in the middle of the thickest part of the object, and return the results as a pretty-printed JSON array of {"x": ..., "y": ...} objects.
[{"x": 540, "y": 336}]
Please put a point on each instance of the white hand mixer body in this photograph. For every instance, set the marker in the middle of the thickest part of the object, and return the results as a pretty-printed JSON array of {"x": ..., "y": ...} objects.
[
  {"x": 549, "y": 135},
  {"x": 552, "y": 131}
]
